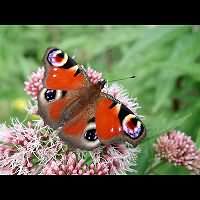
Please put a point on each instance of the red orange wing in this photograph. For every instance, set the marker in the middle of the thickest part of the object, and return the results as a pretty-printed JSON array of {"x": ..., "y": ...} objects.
[
  {"x": 80, "y": 131},
  {"x": 62, "y": 72},
  {"x": 115, "y": 122},
  {"x": 63, "y": 82},
  {"x": 62, "y": 101}
]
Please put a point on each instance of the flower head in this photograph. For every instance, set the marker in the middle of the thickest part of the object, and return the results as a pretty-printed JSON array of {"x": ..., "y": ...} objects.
[
  {"x": 34, "y": 83},
  {"x": 5, "y": 133},
  {"x": 71, "y": 165},
  {"x": 26, "y": 144},
  {"x": 121, "y": 158},
  {"x": 93, "y": 75},
  {"x": 35, "y": 146},
  {"x": 179, "y": 149},
  {"x": 5, "y": 171}
]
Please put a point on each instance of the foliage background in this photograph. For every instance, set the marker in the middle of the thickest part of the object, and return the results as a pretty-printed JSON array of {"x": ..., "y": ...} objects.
[{"x": 165, "y": 60}]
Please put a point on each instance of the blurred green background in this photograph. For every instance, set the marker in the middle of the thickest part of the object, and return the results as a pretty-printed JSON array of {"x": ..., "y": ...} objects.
[{"x": 165, "y": 60}]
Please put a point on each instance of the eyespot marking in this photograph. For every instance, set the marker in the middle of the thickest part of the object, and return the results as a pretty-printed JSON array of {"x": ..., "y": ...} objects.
[
  {"x": 90, "y": 135},
  {"x": 57, "y": 57},
  {"x": 89, "y": 138},
  {"x": 49, "y": 95},
  {"x": 132, "y": 126}
]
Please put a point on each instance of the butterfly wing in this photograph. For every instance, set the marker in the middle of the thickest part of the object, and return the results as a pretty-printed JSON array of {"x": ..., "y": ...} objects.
[
  {"x": 53, "y": 103},
  {"x": 63, "y": 102},
  {"x": 62, "y": 72},
  {"x": 80, "y": 131},
  {"x": 64, "y": 82},
  {"x": 115, "y": 122}
]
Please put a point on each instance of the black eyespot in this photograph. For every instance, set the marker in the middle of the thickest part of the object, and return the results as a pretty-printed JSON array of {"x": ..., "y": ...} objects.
[
  {"x": 90, "y": 135},
  {"x": 50, "y": 95}
]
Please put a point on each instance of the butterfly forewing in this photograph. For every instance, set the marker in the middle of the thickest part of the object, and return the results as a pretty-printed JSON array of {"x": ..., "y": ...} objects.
[{"x": 115, "y": 122}]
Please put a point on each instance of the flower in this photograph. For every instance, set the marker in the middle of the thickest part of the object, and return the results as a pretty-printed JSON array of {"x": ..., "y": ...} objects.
[
  {"x": 5, "y": 133},
  {"x": 194, "y": 167},
  {"x": 34, "y": 83},
  {"x": 179, "y": 149},
  {"x": 93, "y": 75},
  {"x": 37, "y": 149},
  {"x": 119, "y": 157},
  {"x": 5, "y": 171},
  {"x": 70, "y": 165},
  {"x": 25, "y": 144}
]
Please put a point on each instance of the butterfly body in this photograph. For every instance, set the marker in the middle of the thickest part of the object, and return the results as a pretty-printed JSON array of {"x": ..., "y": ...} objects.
[{"x": 84, "y": 115}]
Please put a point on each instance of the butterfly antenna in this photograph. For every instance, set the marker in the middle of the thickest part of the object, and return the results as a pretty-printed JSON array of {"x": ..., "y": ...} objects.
[{"x": 122, "y": 78}]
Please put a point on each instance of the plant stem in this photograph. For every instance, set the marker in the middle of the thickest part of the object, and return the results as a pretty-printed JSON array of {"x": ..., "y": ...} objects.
[{"x": 157, "y": 163}]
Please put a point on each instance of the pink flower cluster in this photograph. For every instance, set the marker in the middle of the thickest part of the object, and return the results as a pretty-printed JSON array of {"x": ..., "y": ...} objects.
[
  {"x": 25, "y": 149},
  {"x": 70, "y": 165},
  {"x": 93, "y": 75},
  {"x": 179, "y": 149},
  {"x": 15, "y": 150},
  {"x": 34, "y": 83},
  {"x": 104, "y": 162}
]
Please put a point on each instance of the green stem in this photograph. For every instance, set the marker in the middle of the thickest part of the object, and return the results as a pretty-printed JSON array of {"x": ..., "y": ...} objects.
[{"x": 156, "y": 163}]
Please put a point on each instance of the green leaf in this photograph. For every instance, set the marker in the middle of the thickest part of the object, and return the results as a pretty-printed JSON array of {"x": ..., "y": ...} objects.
[
  {"x": 198, "y": 139},
  {"x": 88, "y": 159},
  {"x": 170, "y": 169}
]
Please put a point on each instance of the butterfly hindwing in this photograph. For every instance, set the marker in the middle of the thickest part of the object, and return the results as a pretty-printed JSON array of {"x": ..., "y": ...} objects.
[
  {"x": 52, "y": 105},
  {"x": 64, "y": 82},
  {"x": 80, "y": 131},
  {"x": 72, "y": 114}
]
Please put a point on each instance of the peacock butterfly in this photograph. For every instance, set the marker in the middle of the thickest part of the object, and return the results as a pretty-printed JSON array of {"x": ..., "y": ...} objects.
[{"x": 84, "y": 115}]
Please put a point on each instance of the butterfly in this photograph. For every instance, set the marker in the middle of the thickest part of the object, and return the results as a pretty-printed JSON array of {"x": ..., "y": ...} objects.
[{"x": 84, "y": 116}]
